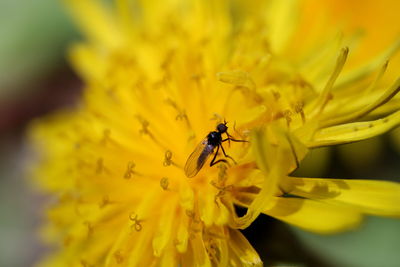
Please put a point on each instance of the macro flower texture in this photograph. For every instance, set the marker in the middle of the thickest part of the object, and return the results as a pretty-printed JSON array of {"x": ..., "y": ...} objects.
[{"x": 159, "y": 77}]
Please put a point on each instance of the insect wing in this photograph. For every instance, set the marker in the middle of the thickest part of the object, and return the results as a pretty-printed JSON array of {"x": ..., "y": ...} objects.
[{"x": 198, "y": 157}]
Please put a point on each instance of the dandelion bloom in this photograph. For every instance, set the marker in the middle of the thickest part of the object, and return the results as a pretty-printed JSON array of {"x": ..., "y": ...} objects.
[{"x": 159, "y": 77}]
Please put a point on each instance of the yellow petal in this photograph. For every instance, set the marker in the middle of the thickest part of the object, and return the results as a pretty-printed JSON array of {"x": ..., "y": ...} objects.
[
  {"x": 198, "y": 256},
  {"x": 371, "y": 197},
  {"x": 266, "y": 158},
  {"x": 96, "y": 21},
  {"x": 361, "y": 72},
  {"x": 168, "y": 259},
  {"x": 352, "y": 132},
  {"x": 182, "y": 234},
  {"x": 275, "y": 162},
  {"x": 165, "y": 227},
  {"x": 121, "y": 239},
  {"x": 238, "y": 78},
  {"x": 138, "y": 250},
  {"x": 323, "y": 98},
  {"x": 243, "y": 252},
  {"x": 282, "y": 18},
  {"x": 87, "y": 63},
  {"x": 372, "y": 105},
  {"x": 315, "y": 216}
]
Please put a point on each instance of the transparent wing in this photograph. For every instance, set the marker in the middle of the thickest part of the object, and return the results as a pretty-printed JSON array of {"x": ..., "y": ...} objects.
[{"x": 197, "y": 159}]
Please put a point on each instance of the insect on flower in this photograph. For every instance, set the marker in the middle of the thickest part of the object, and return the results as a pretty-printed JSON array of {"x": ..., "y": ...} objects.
[{"x": 206, "y": 147}]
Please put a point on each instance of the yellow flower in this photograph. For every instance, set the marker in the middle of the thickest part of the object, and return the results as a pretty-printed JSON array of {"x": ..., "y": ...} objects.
[{"x": 159, "y": 77}]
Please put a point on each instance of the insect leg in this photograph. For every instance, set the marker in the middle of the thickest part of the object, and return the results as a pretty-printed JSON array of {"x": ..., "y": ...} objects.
[
  {"x": 223, "y": 151},
  {"x": 230, "y": 138},
  {"x": 218, "y": 161},
  {"x": 213, "y": 162},
  {"x": 234, "y": 140}
]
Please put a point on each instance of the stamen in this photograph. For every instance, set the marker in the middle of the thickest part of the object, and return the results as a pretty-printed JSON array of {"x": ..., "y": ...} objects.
[
  {"x": 167, "y": 158},
  {"x": 130, "y": 170},
  {"x": 89, "y": 228},
  {"x": 145, "y": 125},
  {"x": 276, "y": 95},
  {"x": 287, "y": 114},
  {"x": 99, "y": 166},
  {"x": 192, "y": 215},
  {"x": 104, "y": 202},
  {"x": 182, "y": 116},
  {"x": 164, "y": 182},
  {"x": 137, "y": 224},
  {"x": 145, "y": 130},
  {"x": 181, "y": 113},
  {"x": 326, "y": 95},
  {"x": 106, "y": 136},
  {"x": 211, "y": 249},
  {"x": 298, "y": 108},
  {"x": 118, "y": 257},
  {"x": 167, "y": 60}
]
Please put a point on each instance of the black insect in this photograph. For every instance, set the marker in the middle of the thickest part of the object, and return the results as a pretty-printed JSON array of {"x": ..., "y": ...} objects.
[{"x": 206, "y": 147}]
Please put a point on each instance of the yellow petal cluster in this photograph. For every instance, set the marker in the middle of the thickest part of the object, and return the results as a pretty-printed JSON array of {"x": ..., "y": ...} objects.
[{"x": 159, "y": 76}]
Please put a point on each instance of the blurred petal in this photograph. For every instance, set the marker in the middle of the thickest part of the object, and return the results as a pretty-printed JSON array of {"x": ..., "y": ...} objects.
[
  {"x": 371, "y": 197},
  {"x": 369, "y": 67},
  {"x": 315, "y": 216},
  {"x": 282, "y": 18},
  {"x": 87, "y": 63},
  {"x": 95, "y": 21},
  {"x": 244, "y": 254}
]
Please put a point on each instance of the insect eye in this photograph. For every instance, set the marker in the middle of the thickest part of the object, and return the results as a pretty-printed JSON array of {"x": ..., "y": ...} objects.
[{"x": 222, "y": 128}]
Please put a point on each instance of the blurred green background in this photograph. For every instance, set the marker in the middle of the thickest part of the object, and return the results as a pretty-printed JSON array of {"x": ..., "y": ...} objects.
[{"x": 35, "y": 80}]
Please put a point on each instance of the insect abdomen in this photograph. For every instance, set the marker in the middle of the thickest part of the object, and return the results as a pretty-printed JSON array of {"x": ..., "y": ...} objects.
[{"x": 204, "y": 155}]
